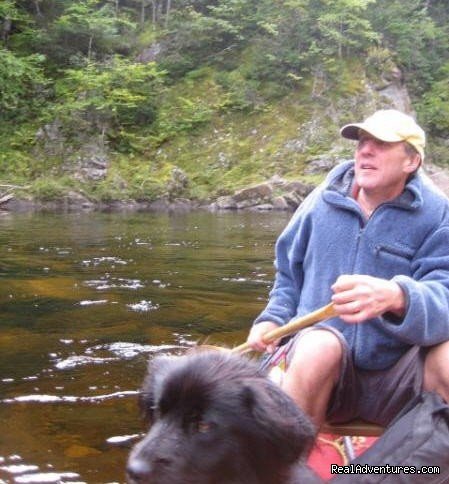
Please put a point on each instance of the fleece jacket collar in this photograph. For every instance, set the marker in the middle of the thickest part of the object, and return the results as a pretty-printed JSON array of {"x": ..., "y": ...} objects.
[{"x": 339, "y": 190}]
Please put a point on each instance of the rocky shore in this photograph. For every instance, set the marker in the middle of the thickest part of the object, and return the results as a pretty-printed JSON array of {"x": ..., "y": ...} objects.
[{"x": 276, "y": 194}]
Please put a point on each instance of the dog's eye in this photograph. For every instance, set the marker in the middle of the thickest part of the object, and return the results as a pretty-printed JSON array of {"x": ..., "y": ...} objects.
[{"x": 203, "y": 427}]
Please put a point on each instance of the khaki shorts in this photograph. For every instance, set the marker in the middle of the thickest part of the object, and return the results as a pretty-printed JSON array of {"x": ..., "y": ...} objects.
[{"x": 372, "y": 395}]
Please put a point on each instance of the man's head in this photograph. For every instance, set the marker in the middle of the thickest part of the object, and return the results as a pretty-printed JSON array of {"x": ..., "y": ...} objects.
[
  {"x": 389, "y": 125},
  {"x": 390, "y": 148}
]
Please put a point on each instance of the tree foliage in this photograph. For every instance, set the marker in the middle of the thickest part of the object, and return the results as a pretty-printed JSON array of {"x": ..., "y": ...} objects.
[
  {"x": 22, "y": 85},
  {"x": 85, "y": 30},
  {"x": 435, "y": 104},
  {"x": 75, "y": 60},
  {"x": 418, "y": 40},
  {"x": 108, "y": 97}
]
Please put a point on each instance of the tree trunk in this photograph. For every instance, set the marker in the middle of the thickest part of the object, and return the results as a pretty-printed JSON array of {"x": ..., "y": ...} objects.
[
  {"x": 167, "y": 13},
  {"x": 89, "y": 49},
  {"x": 36, "y": 6},
  {"x": 153, "y": 11},
  {"x": 340, "y": 42},
  {"x": 5, "y": 29},
  {"x": 142, "y": 13}
]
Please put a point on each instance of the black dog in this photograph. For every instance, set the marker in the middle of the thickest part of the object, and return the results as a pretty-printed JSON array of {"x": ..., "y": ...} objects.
[{"x": 217, "y": 419}]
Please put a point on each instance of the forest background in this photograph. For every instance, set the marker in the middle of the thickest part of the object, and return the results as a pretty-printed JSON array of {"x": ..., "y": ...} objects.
[{"x": 194, "y": 99}]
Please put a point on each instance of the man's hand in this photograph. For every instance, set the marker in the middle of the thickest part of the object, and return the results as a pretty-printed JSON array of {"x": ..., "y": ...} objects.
[
  {"x": 255, "y": 337},
  {"x": 358, "y": 298}
]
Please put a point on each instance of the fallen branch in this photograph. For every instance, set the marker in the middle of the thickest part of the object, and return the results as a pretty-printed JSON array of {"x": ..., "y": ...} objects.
[{"x": 6, "y": 198}]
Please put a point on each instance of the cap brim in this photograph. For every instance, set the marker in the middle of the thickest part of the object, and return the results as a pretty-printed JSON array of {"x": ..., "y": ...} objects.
[{"x": 351, "y": 131}]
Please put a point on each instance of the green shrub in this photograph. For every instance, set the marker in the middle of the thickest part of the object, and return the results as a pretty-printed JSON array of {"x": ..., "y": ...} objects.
[{"x": 47, "y": 189}]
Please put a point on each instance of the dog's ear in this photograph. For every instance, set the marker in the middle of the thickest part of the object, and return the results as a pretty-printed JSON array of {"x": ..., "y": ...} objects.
[
  {"x": 151, "y": 390},
  {"x": 281, "y": 423}
]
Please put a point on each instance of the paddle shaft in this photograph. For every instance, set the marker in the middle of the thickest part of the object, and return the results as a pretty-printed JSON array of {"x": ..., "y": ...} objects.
[{"x": 321, "y": 314}]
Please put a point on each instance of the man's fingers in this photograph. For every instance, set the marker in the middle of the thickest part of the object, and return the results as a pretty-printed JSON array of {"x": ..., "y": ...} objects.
[
  {"x": 347, "y": 282},
  {"x": 348, "y": 307},
  {"x": 257, "y": 333},
  {"x": 344, "y": 297},
  {"x": 271, "y": 348},
  {"x": 355, "y": 318}
]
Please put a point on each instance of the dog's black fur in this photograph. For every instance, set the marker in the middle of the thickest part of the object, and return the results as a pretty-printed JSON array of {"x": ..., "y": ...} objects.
[{"x": 217, "y": 419}]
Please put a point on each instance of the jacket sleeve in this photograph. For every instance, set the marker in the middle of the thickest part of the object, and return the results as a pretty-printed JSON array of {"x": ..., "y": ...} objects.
[
  {"x": 426, "y": 321},
  {"x": 290, "y": 251},
  {"x": 291, "y": 248}
]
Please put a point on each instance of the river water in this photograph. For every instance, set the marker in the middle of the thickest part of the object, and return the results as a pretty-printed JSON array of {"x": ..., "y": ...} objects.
[{"x": 87, "y": 299}]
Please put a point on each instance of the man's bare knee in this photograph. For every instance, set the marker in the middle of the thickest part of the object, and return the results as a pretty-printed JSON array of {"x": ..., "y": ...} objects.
[
  {"x": 313, "y": 372},
  {"x": 317, "y": 356},
  {"x": 320, "y": 347}
]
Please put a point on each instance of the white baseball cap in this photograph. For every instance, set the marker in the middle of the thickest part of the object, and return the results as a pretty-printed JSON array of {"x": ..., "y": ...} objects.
[{"x": 389, "y": 125}]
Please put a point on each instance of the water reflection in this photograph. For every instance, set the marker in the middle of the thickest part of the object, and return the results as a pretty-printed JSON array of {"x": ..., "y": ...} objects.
[{"x": 86, "y": 300}]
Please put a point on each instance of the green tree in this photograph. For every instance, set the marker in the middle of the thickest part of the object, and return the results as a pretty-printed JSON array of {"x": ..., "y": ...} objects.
[
  {"x": 22, "y": 85},
  {"x": 86, "y": 30},
  {"x": 200, "y": 33},
  {"x": 416, "y": 39},
  {"x": 11, "y": 16},
  {"x": 105, "y": 98},
  {"x": 307, "y": 36},
  {"x": 434, "y": 106},
  {"x": 344, "y": 27}
]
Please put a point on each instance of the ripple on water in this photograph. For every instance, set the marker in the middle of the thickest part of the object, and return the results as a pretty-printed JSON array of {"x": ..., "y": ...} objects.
[
  {"x": 92, "y": 303},
  {"x": 38, "y": 398},
  {"x": 81, "y": 360},
  {"x": 28, "y": 473},
  {"x": 256, "y": 280},
  {"x": 107, "y": 282},
  {"x": 96, "y": 261},
  {"x": 143, "y": 306},
  {"x": 123, "y": 439},
  {"x": 124, "y": 350},
  {"x": 120, "y": 350},
  {"x": 48, "y": 477}
]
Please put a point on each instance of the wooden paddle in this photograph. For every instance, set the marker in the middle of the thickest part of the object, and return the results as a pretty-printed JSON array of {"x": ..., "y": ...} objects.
[{"x": 321, "y": 314}]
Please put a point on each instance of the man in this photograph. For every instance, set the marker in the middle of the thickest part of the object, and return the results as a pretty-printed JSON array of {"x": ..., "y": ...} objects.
[{"x": 374, "y": 239}]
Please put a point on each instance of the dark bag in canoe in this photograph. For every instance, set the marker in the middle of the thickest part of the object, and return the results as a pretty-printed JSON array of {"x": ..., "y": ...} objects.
[{"x": 417, "y": 440}]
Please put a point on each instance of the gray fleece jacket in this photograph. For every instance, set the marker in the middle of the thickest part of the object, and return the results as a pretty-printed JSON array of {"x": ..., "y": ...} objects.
[{"x": 406, "y": 240}]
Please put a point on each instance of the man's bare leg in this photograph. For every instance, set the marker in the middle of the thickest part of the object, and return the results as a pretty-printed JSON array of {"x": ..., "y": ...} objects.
[{"x": 313, "y": 372}]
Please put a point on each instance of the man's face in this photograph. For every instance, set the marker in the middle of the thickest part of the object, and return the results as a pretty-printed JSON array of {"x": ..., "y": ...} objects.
[{"x": 382, "y": 167}]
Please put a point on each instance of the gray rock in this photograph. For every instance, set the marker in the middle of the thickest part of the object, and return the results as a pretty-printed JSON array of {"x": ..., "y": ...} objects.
[
  {"x": 264, "y": 207},
  {"x": 225, "y": 203},
  {"x": 293, "y": 200},
  {"x": 300, "y": 188},
  {"x": 150, "y": 54},
  {"x": 257, "y": 193},
  {"x": 279, "y": 203},
  {"x": 319, "y": 165},
  {"x": 178, "y": 184},
  {"x": 276, "y": 181},
  {"x": 247, "y": 204},
  {"x": 76, "y": 198}
]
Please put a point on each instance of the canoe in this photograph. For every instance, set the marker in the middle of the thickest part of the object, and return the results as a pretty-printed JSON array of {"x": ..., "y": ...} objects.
[{"x": 336, "y": 449}]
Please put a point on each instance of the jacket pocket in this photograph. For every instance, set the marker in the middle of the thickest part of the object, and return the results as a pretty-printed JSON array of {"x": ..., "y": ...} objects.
[
  {"x": 396, "y": 250},
  {"x": 395, "y": 259}
]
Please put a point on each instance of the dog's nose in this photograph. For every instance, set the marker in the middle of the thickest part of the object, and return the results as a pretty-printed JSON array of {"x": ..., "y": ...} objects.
[
  {"x": 143, "y": 471},
  {"x": 138, "y": 471}
]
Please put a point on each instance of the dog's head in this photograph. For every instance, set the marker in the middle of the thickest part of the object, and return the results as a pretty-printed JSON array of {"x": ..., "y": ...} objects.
[{"x": 215, "y": 418}]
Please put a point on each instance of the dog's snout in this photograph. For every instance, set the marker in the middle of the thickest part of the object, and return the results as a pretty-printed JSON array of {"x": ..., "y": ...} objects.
[
  {"x": 138, "y": 471},
  {"x": 141, "y": 471}
]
